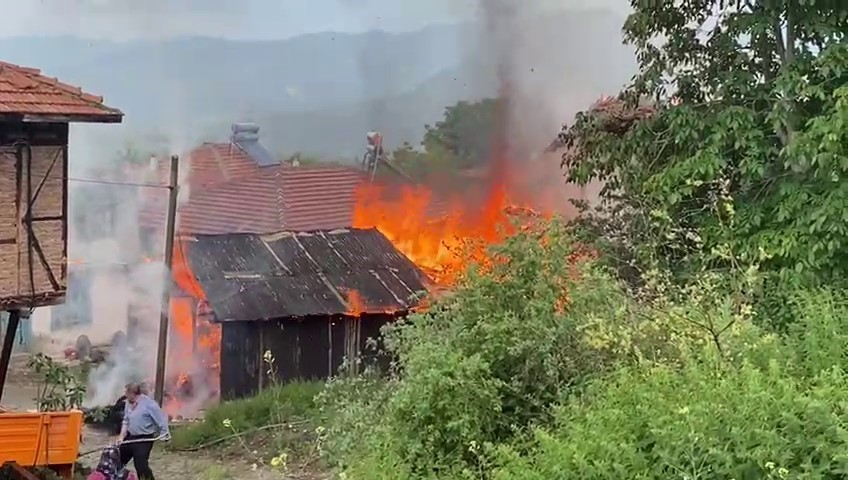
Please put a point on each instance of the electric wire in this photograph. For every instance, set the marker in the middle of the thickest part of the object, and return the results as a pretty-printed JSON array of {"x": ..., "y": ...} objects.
[{"x": 125, "y": 184}]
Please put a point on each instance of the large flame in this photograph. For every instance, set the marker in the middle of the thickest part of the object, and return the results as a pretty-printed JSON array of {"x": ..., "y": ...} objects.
[
  {"x": 195, "y": 343},
  {"x": 440, "y": 236}
]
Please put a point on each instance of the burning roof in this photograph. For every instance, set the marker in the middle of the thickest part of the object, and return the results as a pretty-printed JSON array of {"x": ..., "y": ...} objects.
[{"x": 260, "y": 277}]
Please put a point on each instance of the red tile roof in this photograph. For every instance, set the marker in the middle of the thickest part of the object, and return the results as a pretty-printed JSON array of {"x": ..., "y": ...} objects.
[
  {"x": 213, "y": 164},
  {"x": 25, "y": 91},
  {"x": 274, "y": 199}
]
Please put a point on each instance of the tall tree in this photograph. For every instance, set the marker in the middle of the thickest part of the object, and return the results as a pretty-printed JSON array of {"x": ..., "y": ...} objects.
[
  {"x": 742, "y": 156},
  {"x": 466, "y": 132}
]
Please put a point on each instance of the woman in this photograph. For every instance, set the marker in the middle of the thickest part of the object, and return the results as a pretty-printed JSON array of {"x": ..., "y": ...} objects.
[{"x": 144, "y": 420}]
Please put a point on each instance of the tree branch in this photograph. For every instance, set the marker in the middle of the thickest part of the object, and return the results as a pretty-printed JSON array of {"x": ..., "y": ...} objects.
[
  {"x": 789, "y": 49},
  {"x": 778, "y": 40}
]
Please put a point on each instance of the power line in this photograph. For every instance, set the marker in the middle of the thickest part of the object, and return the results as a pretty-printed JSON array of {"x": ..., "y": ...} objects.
[{"x": 125, "y": 184}]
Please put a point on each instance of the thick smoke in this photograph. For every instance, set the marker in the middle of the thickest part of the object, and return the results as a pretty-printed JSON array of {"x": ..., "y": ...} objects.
[
  {"x": 116, "y": 276},
  {"x": 549, "y": 63},
  {"x": 116, "y": 280}
]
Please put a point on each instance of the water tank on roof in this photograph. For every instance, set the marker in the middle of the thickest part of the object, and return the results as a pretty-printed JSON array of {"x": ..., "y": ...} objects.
[
  {"x": 245, "y": 132},
  {"x": 246, "y": 127},
  {"x": 246, "y": 137}
]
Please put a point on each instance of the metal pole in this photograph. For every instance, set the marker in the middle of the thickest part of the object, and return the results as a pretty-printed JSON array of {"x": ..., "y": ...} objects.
[
  {"x": 173, "y": 188},
  {"x": 8, "y": 343}
]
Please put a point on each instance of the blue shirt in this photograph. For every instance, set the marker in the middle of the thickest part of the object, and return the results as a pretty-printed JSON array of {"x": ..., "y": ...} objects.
[{"x": 145, "y": 418}]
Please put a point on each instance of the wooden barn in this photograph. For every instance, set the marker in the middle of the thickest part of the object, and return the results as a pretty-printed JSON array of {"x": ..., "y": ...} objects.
[
  {"x": 35, "y": 113},
  {"x": 312, "y": 299}
]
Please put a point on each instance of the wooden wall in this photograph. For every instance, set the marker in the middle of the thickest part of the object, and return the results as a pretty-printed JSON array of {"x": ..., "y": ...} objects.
[
  {"x": 42, "y": 185},
  {"x": 313, "y": 348}
]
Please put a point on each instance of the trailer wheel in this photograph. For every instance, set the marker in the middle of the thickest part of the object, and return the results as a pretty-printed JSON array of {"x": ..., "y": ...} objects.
[{"x": 83, "y": 347}]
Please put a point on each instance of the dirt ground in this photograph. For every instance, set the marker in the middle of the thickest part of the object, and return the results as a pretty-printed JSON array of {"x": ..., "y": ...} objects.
[
  {"x": 21, "y": 390},
  {"x": 192, "y": 465}
]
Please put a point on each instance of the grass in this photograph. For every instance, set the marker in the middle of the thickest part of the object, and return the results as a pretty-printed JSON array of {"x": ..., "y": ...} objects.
[
  {"x": 217, "y": 472},
  {"x": 290, "y": 403}
]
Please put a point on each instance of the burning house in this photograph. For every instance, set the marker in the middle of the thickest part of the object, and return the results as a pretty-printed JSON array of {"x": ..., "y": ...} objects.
[{"x": 311, "y": 299}]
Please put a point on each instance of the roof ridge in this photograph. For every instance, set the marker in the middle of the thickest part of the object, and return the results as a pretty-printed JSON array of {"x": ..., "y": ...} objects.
[
  {"x": 281, "y": 199},
  {"x": 21, "y": 68},
  {"x": 51, "y": 86}
]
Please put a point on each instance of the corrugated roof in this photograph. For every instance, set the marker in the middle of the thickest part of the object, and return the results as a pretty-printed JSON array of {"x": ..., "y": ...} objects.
[
  {"x": 25, "y": 91},
  {"x": 259, "y": 277}
]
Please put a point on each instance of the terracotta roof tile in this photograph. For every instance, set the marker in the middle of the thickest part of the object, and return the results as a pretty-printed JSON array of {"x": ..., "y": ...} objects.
[
  {"x": 25, "y": 91},
  {"x": 229, "y": 193},
  {"x": 276, "y": 198},
  {"x": 214, "y": 163}
]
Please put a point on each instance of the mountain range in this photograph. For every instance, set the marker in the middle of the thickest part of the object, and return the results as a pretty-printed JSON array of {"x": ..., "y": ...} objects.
[{"x": 320, "y": 93}]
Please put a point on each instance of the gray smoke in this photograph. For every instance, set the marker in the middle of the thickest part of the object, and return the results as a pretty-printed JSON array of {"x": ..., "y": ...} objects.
[
  {"x": 116, "y": 277},
  {"x": 553, "y": 61},
  {"x": 550, "y": 62}
]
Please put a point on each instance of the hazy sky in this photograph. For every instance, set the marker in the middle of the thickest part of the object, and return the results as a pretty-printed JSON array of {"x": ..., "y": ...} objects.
[{"x": 122, "y": 19}]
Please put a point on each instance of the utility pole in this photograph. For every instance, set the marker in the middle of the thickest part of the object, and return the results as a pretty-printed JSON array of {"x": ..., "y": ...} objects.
[
  {"x": 165, "y": 312},
  {"x": 8, "y": 344}
]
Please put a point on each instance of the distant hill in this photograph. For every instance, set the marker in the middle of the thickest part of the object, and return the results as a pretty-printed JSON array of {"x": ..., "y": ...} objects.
[
  {"x": 318, "y": 93},
  {"x": 573, "y": 60}
]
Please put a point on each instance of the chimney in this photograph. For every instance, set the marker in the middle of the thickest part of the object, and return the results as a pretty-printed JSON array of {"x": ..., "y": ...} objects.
[{"x": 154, "y": 163}]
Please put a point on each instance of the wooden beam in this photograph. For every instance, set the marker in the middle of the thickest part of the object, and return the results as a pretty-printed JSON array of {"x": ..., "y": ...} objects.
[
  {"x": 95, "y": 118},
  {"x": 8, "y": 343},
  {"x": 49, "y": 218},
  {"x": 44, "y": 299},
  {"x": 47, "y": 268}
]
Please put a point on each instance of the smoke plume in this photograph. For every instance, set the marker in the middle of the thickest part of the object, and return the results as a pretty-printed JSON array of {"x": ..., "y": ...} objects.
[
  {"x": 549, "y": 63},
  {"x": 116, "y": 277}
]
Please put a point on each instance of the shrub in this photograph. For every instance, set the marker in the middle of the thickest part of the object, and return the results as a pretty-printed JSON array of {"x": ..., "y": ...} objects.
[
  {"x": 771, "y": 408},
  {"x": 818, "y": 336},
  {"x": 696, "y": 423},
  {"x": 490, "y": 360}
]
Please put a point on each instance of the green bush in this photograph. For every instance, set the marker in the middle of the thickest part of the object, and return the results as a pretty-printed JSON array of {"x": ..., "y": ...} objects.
[
  {"x": 546, "y": 367},
  {"x": 819, "y": 333},
  {"x": 489, "y": 361},
  {"x": 696, "y": 423},
  {"x": 772, "y": 408}
]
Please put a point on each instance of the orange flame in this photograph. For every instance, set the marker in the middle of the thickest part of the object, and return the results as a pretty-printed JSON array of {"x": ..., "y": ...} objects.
[
  {"x": 356, "y": 304},
  {"x": 195, "y": 343},
  {"x": 440, "y": 242}
]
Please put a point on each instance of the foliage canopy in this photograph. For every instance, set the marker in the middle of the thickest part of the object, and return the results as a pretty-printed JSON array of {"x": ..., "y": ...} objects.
[{"x": 744, "y": 157}]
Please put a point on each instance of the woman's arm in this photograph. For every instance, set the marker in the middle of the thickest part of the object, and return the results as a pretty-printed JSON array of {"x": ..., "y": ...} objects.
[
  {"x": 161, "y": 420},
  {"x": 125, "y": 423}
]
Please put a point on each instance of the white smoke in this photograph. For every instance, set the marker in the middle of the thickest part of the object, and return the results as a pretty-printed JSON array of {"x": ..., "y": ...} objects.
[{"x": 113, "y": 278}]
